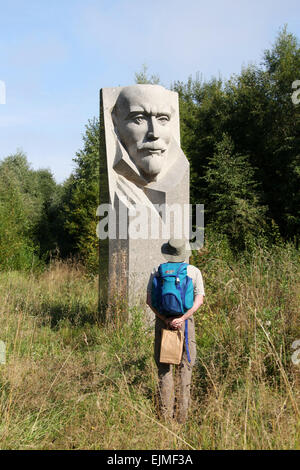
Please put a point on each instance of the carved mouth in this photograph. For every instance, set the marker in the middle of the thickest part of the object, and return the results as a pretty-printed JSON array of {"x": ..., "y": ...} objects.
[{"x": 156, "y": 151}]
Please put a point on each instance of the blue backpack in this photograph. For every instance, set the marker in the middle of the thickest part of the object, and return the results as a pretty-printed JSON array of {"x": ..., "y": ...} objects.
[
  {"x": 172, "y": 289},
  {"x": 173, "y": 293}
]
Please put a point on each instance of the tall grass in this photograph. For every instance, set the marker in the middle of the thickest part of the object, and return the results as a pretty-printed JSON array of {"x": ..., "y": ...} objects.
[{"x": 72, "y": 382}]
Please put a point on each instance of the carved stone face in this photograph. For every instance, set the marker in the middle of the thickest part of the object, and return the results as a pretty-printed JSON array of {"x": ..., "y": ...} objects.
[{"x": 142, "y": 119}]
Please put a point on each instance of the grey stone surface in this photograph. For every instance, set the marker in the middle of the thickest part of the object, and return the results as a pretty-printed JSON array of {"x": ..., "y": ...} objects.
[{"x": 141, "y": 165}]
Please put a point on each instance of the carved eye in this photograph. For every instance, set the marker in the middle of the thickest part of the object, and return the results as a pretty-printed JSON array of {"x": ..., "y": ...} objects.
[
  {"x": 163, "y": 119},
  {"x": 139, "y": 119}
]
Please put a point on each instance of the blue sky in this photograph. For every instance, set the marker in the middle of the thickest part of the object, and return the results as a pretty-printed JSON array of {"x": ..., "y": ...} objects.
[{"x": 55, "y": 56}]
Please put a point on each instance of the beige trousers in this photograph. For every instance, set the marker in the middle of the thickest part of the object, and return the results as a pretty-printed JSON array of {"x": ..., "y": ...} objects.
[{"x": 175, "y": 387}]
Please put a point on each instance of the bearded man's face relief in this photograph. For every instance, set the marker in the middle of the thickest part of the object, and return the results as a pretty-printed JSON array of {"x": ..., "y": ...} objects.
[{"x": 142, "y": 119}]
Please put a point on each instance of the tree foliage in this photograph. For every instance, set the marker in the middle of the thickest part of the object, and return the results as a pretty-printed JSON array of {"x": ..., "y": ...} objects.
[
  {"x": 82, "y": 199},
  {"x": 26, "y": 198},
  {"x": 143, "y": 78},
  {"x": 255, "y": 110},
  {"x": 233, "y": 200}
]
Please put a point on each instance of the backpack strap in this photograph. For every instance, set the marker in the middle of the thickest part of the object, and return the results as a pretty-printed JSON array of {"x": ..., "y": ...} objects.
[
  {"x": 179, "y": 286},
  {"x": 187, "y": 340}
]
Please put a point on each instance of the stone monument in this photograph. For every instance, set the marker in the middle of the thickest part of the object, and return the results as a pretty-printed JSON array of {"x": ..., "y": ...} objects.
[{"x": 143, "y": 172}]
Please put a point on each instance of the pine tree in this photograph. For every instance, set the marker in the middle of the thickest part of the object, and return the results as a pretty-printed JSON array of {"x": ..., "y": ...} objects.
[{"x": 233, "y": 201}]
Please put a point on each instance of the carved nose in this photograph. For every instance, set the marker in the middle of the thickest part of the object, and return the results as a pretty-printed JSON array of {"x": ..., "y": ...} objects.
[
  {"x": 152, "y": 136},
  {"x": 153, "y": 129}
]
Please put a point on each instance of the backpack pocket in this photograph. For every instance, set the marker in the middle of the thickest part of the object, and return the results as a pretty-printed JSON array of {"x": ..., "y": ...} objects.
[
  {"x": 171, "y": 304},
  {"x": 155, "y": 293},
  {"x": 189, "y": 294}
]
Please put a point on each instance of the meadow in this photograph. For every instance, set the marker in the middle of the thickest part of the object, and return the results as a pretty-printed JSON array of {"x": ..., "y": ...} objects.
[{"x": 74, "y": 381}]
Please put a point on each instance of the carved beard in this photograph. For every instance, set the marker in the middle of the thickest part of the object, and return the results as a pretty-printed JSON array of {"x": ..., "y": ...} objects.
[
  {"x": 149, "y": 158},
  {"x": 151, "y": 165}
]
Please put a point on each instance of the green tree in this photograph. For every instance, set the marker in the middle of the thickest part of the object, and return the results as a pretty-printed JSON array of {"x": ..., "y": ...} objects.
[
  {"x": 50, "y": 233},
  {"x": 82, "y": 198},
  {"x": 38, "y": 198},
  {"x": 202, "y": 117},
  {"x": 143, "y": 78},
  {"x": 17, "y": 250},
  {"x": 282, "y": 66},
  {"x": 232, "y": 195}
]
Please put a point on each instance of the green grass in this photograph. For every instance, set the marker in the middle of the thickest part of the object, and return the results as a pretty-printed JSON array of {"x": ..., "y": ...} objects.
[{"x": 71, "y": 382}]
